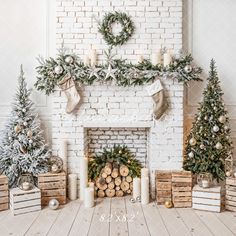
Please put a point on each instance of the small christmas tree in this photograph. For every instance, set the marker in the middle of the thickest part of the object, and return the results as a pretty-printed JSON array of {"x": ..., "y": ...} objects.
[
  {"x": 22, "y": 147},
  {"x": 208, "y": 144}
]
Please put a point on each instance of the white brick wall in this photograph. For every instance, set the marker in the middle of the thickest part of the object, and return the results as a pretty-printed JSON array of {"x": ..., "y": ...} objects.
[{"x": 158, "y": 24}]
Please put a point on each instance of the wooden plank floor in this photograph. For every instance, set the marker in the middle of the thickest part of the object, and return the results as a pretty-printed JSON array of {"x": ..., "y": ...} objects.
[{"x": 118, "y": 217}]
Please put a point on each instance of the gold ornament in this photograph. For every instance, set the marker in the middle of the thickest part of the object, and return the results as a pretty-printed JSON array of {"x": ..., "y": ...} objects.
[
  {"x": 218, "y": 146},
  {"x": 29, "y": 133},
  {"x": 228, "y": 173},
  {"x": 17, "y": 129},
  {"x": 222, "y": 119},
  {"x": 192, "y": 141},
  {"x": 168, "y": 204},
  {"x": 226, "y": 127}
]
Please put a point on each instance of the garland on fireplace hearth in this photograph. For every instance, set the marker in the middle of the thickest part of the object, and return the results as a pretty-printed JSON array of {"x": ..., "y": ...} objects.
[
  {"x": 52, "y": 71},
  {"x": 118, "y": 155}
]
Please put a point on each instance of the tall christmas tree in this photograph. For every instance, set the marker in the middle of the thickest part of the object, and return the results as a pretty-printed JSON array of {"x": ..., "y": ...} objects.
[
  {"x": 22, "y": 147},
  {"x": 209, "y": 144}
]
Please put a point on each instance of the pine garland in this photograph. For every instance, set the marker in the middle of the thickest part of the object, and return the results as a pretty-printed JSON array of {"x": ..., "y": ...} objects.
[
  {"x": 105, "y": 28},
  {"x": 120, "y": 155},
  {"x": 123, "y": 73}
]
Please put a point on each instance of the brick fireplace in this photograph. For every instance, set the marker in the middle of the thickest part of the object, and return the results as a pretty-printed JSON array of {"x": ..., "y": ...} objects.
[{"x": 118, "y": 111}]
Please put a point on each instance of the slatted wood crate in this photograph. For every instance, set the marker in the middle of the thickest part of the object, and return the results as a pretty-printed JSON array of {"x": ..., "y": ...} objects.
[
  {"x": 208, "y": 199},
  {"x": 230, "y": 203},
  {"x": 182, "y": 188},
  {"x": 25, "y": 201},
  {"x": 4, "y": 193},
  {"x": 163, "y": 186},
  {"x": 52, "y": 185}
]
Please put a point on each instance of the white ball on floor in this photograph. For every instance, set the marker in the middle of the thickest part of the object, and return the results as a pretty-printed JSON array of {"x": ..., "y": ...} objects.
[{"x": 53, "y": 204}]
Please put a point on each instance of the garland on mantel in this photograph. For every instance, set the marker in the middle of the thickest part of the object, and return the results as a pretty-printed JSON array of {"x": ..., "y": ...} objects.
[{"x": 123, "y": 73}]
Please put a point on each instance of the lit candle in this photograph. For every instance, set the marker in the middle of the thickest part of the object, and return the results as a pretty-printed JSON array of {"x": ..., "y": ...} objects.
[
  {"x": 136, "y": 187},
  {"x": 63, "y": 154},
  {"x": 140, "y": 58},
  {"x": 72, "y": 185},
  {"x": 88, "y": 197},
  {"x": 93, "y": 57},
  {"x": 144, "y": 190},
  {"x": 205, "y": 183},
  {"x": 144, "y": 172},
  {"x": 25, "y": 186},
  {"x": 83, "y": 176},
  {"x": 86, "y": 61},
  {"x": 156, "y": 58},
  {"x": 167, "y": 59},
  {"x": 54, "y": 168}
]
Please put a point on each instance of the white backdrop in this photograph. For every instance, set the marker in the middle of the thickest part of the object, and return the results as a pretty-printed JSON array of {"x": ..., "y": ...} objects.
[{"x": 27, "y": 30}]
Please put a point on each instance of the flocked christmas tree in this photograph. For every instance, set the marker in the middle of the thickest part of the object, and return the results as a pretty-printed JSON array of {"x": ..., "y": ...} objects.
[
  {"x": 22, "y": 147},
  {"x": 209, "y": 144}
]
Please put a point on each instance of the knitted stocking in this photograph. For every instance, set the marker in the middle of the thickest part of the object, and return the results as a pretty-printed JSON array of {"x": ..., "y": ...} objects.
[
  {"x": 157, "y": 92},
  {"x": 68, "y": 86}
]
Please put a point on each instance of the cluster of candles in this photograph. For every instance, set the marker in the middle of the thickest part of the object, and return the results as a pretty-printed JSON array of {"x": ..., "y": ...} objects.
[
  {"x": 141, "y": 186},
  {"x": 156, "y": 58}
]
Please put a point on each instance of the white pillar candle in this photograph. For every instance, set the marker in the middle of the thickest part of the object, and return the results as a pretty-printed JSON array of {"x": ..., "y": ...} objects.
[
  {"x": 72, "y": 185},
  {"x": 156, "y": 58},
  {"x": 86, "y": 61},
  {"x": 140, "y": 58},
  {"x": 83, "y": 176},
  {"x": 88, "y": 197},
  {"x": 63, "y": 154},
  {"x": 144, "y": 172},
  {"x": 93, "y": 57},
  {"x": 167, "y": 59},
  {"x": 136, "y": 187},
  {"x": 144, "y": 190}
]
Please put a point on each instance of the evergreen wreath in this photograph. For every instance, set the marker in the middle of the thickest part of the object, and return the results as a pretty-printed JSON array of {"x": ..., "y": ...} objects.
[
  {"x": 119, "y": 155},
  {"x": 105, "y": 28}
]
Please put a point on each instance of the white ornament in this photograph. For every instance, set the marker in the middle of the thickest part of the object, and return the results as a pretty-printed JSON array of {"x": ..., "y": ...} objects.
[
  {"x": 69, "y": 59},
  {"x": 192, "y": 141},
  {"x": 110, "y": 72},
  {"x": 30, "y": 141},
  {"x": 226, "y": 127},
  {"x": 222, "y": 119},
  {"x": 25, "y": 123},
  {"x": 24, "y": 110},
  {"x": 188, "y": 69},
  {"x": 53, "y": 204},
  {"x": 94, "y": 72},
  {"x": 202, "y": 146},
  {"x": 191, "y": 155},
  {"x": 216, "y": 128},
  {"x": 218, "y": 146},
  {"x": 10, "y": 138},
  {"x": 228, "y": 173},
  {"x": 58, "y": 70}
]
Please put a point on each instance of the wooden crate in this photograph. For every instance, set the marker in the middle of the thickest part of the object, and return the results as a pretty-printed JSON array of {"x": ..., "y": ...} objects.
[
  {"x": 163, "y": 186},
  {"x": 230, "y": 202},
  {"x": 208, "y": 199},
  {"x": 25, "y": 201},
  {"x": 4, "y": 193},
  {"x": 182, "y": 188},
  {"x": 52, "y": 186}
]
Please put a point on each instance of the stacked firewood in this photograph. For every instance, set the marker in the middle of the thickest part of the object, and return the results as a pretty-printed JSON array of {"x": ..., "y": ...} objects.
[{"x": 114, "y": 180}]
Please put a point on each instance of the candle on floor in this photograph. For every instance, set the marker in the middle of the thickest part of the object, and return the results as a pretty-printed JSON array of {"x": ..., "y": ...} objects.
[
  {"x": 86, "y": 61},
  {"x": 93, "y": 57},
  {"x": 140, "y": 58},
  {"x": 145, "y": 190},
  {"x": 136, "y": 187},
  {"x": 89, "y": 197},
  {"x": 156, "y": 58},
  {"x": 63, "y": 154},
  {"x": 83, "y": 176},
  {"x": 167, "y": 58},
  {"x": 144, "y": 172},
  {"x": 72, "y": 185}
]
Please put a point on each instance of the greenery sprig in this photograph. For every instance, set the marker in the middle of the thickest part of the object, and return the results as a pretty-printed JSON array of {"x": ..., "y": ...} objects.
[
  {"x": 119, "y": 155},
  {"x": 123, "y": 73},
  {"x": 105, "y": 28}
]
